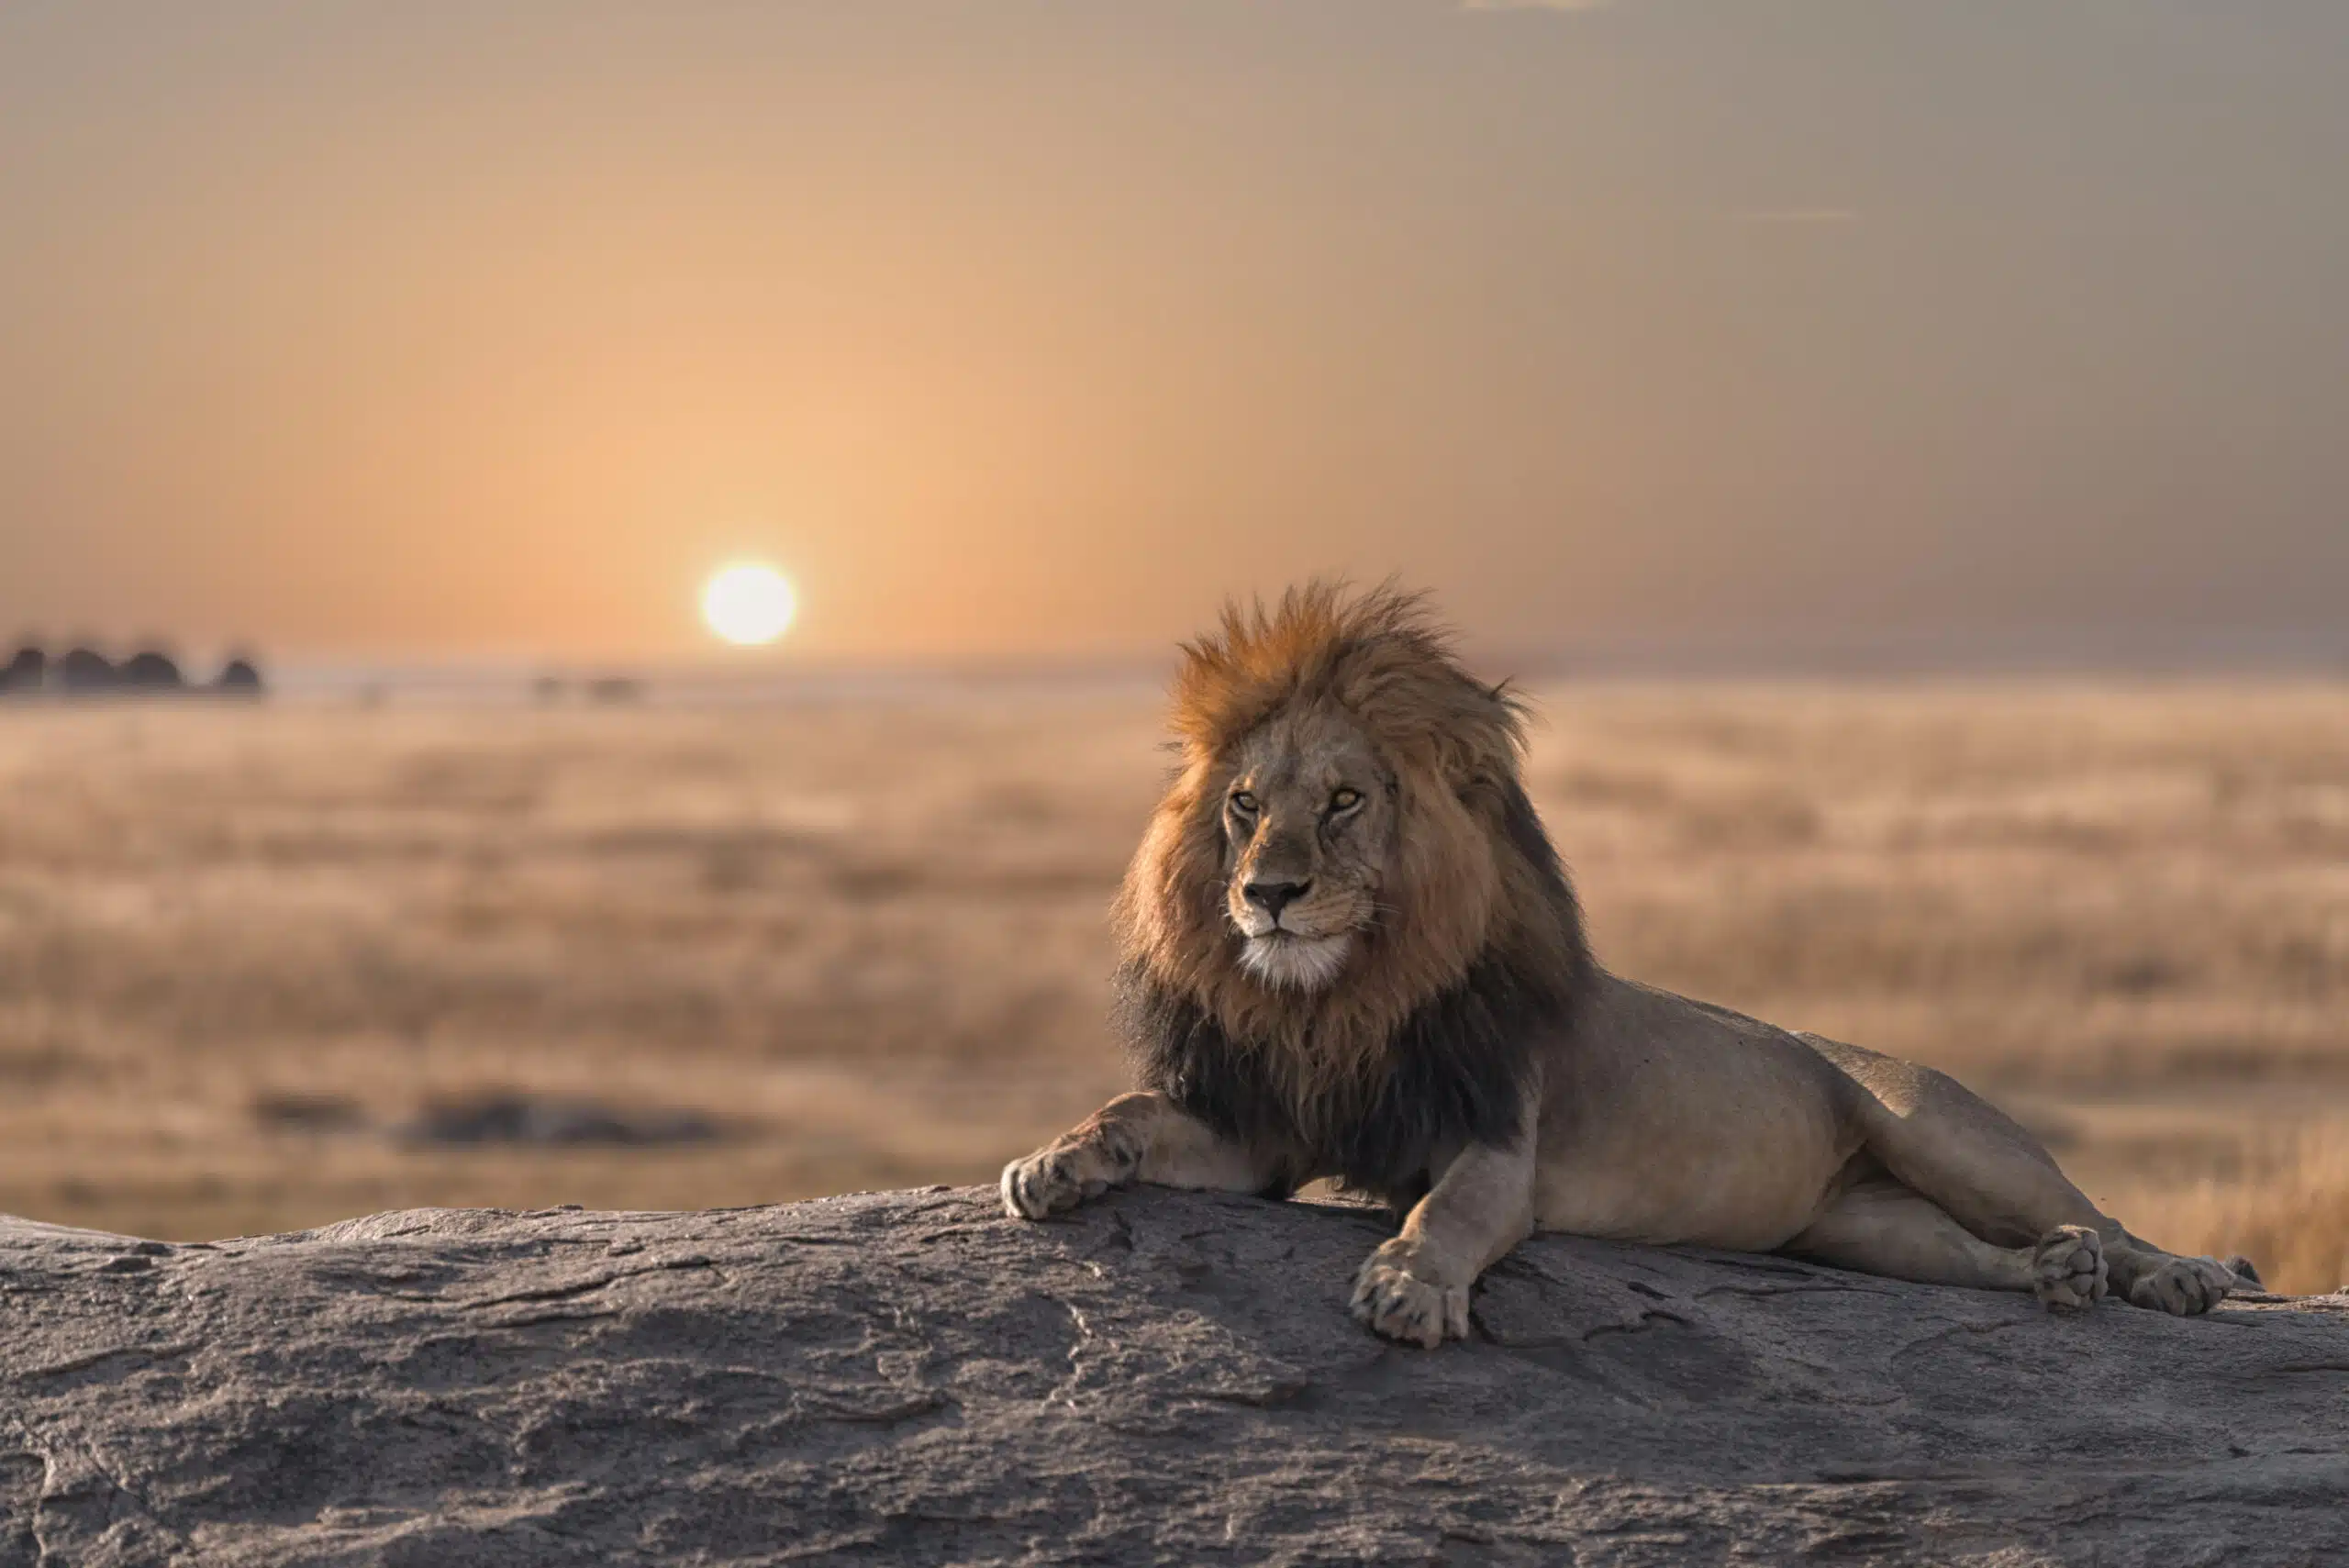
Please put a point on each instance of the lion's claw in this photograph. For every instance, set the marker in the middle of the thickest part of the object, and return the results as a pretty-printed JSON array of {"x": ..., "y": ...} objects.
[{"x": 1397, "y": 1303}]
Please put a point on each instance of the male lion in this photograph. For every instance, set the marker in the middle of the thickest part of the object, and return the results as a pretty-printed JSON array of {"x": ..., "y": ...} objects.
[{"x": 1350, "y": 951}]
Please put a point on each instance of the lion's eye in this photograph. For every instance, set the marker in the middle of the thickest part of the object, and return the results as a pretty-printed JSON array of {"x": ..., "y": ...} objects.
[
  {"x": 1345, "y": 800},
  {"x": 1244, "y": 803}
]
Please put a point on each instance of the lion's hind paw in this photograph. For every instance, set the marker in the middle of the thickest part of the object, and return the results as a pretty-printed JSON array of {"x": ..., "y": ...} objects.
[
  {"x": 2184, "y": 1287},
  {"x": 2067, "y": 1269},
  {"x": 1395, "y": 1304}
]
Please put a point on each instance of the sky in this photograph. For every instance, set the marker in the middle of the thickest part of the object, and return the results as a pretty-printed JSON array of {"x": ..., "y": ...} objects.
[{"x": 1028, "y": 330}]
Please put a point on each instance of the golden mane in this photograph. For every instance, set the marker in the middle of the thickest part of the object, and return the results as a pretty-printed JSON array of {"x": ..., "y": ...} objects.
[
  {"x": 1382, "y": 656},
  {"x": 1472, "y": 882}
]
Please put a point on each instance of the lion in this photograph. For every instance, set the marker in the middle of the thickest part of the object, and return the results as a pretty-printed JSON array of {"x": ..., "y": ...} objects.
[{"x": 1350, "y": 951}]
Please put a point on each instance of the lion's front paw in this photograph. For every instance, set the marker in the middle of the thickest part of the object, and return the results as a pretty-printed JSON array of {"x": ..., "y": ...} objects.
[
  {"x": 1049, "y": 1181},
  {"x": 1391, "y": 1300},
  {"x": 2067, "y": 1272},
  {"x": 2184, "y": 1287}
]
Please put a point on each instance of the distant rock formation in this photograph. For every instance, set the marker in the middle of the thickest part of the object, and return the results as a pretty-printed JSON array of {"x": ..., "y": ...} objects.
[
  {"x": 27, "y": 672},
  {"x": 148, "y": 670},
  {"x": 240, "y": 678},
  {"x": 85, "y": 670}
]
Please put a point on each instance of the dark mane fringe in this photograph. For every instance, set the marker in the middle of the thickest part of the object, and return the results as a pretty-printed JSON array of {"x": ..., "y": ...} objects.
[{"x": 1455, "y": 1071}]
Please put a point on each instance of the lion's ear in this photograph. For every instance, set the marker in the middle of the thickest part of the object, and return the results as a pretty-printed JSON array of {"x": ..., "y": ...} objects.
[
  {"x": 1478, "y": 740},
  {"x": 1473, "y": 758},
  {"x": 1463, "y": 770},
  {"x": 1481, "y": 795}
]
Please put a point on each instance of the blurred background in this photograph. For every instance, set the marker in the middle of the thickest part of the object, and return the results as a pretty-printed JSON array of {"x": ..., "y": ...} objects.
[{"x": 705, "y": 497}]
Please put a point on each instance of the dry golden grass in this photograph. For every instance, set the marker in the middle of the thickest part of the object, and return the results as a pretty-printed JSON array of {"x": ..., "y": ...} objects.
[{"x": 236, "y": 948}]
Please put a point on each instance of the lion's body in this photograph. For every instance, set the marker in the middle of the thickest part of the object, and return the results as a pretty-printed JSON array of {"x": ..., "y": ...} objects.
[
  {"x": 1352, "y": 953},
  {"x": 1663, "y": 1120}
]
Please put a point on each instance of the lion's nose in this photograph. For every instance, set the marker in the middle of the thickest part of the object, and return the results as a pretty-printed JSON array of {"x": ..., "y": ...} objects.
[{"x": 1273, "y": 898}]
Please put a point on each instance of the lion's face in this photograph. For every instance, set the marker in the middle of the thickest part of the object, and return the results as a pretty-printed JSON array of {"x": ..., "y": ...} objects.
[
  {"x": 1345, "y": 839},
  {"x": 1310, "y": 824}
]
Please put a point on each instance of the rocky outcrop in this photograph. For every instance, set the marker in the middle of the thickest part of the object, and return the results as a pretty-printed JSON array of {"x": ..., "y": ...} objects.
[
  {"x": 151, "y": 672},
  {"x": 1161, "y": 1378},
  {"x": 85, "y": 670},
  {"x": 239, "y": 678},
  {"x": 27, "y": 672}
]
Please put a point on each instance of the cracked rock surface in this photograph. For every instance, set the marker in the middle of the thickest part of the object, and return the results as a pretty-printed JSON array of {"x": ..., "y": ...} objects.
[{"x": 1161, "y": 1378}]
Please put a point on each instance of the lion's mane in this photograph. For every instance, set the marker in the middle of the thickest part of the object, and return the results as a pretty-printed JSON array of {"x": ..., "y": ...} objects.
[{"x": 1425, "y": 1040}]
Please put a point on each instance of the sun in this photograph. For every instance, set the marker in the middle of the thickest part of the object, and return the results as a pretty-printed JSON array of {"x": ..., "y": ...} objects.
[{"x": 749, "y": 604}]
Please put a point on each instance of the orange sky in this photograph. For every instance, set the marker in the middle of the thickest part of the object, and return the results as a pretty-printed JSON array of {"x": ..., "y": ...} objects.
[{"x": 1018, "y": 329}]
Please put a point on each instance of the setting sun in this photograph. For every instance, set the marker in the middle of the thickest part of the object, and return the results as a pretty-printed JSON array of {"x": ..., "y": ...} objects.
[{"x": 749, "y": 604}]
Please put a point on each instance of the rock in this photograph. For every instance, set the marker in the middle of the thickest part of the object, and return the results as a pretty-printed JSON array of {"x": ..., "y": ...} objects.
[
  {"x": 240, "y": 678},
  {"x": 85, "y": 670},
  {"x": 148, "y": 670},
  {"x": 1161, "y": 1378},
  {"x": 25, "y": 672}
]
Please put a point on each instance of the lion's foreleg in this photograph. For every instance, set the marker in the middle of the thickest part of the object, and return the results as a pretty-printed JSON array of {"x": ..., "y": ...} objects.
[
  {"x": 1415, "y": 1287},
  {"x": 1141, "y": 1137}
]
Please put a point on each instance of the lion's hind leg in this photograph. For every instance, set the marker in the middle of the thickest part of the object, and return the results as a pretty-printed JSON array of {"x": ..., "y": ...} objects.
[
  {"x": 1945, "y": 1143},
  {"x": 1882, "y": 1227}
]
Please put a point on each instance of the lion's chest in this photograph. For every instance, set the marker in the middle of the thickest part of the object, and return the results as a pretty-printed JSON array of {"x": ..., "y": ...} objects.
[
  {"x": 1381, "y": 1130},
  {"x": 1456, "y": 1072}
]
